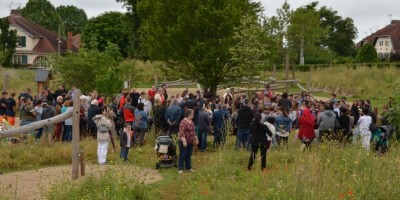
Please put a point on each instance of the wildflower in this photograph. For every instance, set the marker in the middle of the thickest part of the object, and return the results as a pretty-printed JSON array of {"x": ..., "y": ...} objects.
[
  {"x": 350, "y": 193},
  {"x": 341, "y": 196},
  {"x": 204, "y": 192}
]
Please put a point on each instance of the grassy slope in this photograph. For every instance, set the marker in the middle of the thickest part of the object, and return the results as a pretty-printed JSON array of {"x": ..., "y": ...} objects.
[{"x": 19, "y": 79}]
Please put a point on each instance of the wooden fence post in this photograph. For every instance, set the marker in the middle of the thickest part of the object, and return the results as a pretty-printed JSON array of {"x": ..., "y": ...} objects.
[
  {"x": 5, "y": 82},
  {"x": 75, "y": 134}
]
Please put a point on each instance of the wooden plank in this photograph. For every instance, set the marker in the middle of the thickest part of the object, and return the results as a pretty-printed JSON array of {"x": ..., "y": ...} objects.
[
  {"x": 75, "y": 134},
  {"x": 35, "y": 125}
]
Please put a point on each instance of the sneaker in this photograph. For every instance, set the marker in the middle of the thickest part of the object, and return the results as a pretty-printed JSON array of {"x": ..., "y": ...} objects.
[
  {"x": 180, "y": 172},
  {"x": 191, "y": 170}
]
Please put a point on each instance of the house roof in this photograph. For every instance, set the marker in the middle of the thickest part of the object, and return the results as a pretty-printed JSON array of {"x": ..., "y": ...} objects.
[
  {"x": 41, "y": 75},
  {"x": 392, "y": 30},
  {"x": 48, "y": 42}
]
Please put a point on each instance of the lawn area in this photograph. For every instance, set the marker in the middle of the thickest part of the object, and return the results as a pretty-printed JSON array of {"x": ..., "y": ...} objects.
[{"x": 327, "y": 171}]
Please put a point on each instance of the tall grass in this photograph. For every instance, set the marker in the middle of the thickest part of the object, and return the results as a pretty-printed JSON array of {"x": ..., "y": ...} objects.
[
  {"x": 19, "y": 79},
  {"x": 113, "y": 184}
]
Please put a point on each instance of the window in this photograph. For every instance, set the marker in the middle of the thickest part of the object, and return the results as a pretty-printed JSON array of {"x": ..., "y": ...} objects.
[
  {"x": 387, "y": 43},
  {"x": 20, "y": 59},
  {"x": 380, "y": 43},
  {"x": 41, "y": 62},
  {"x": 21, "y": 41}
]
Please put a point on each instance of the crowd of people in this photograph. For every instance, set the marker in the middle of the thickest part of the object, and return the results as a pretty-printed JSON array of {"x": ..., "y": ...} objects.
[{"x": 259, "y": 121}]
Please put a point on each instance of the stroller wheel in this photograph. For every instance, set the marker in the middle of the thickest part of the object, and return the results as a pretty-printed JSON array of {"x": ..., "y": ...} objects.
[{"x": 158, "y": 166}]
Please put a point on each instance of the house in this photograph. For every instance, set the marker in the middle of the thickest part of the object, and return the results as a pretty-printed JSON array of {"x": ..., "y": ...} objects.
[
  {"x": 36, "y": 44},
  {"x": 386, "y": 40}
]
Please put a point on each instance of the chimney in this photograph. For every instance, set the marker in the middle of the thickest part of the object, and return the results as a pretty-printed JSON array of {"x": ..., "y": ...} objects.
[{"x": 69, "y": 41}]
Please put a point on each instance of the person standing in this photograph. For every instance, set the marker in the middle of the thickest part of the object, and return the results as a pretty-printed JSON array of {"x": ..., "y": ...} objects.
[
  {"x": 125, "y": 141},
  {"x": 364, "y": 121},
  {"x": 39, "y": 110},
  {"x": 152, "y": 93},
  {"x": 258, "y": 140},
  {"x": 3, "y": 106},
  {"x": 187, "y": 139},
  {"x": 48, "y": 112},
  {"x": 244, "y": 118},
  {"x": 141, "y": 122},
  {"x": 59, "y": 126},
  {"x": 283, "y": 124},
  {"x": 219, "y": 117},
  {"x": 173, "y": 117},
  {"x": 67, "y": 137},
  {"x": 204, "y": 128},
  {"x": 27, "y": 113},
  {"x": 103, "y": 137},
  {"x": 93, "y": 110},
  {"x": 11, "y": 109}
]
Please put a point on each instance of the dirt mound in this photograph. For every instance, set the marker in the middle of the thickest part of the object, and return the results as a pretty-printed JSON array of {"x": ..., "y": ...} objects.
[{"x": 33, "y": 184}]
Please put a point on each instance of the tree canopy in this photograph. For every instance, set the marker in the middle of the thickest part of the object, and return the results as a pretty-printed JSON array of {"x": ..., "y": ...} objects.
[
  {"x": 91, "y": 69},
  {"x": 73, "y": 19},
  {"x": 8, "y": 42},
  {"x": 199, "y": 39},
  {"x": 107, "y": 27},
  {"x": 367, "y": 53},
  {"x": 43, "y": 13}
]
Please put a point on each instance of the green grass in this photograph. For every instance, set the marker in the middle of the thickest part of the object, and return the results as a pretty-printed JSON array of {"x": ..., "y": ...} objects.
[
  {"x": 327, "y": 171},
  {"x": 19, "y": 79}
]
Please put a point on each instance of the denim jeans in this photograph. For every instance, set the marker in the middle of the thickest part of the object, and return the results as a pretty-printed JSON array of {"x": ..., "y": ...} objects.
[
  {"x": 219, "y": 135},
  {"x": 185, "y": 156},
  {"x": 242, "y": 138},
  {"x": 67, "y": 137},
  {"x": 203, "y": 137},
  {"x": 124, "y": 153},
  {"x": 39, "y": 133}
]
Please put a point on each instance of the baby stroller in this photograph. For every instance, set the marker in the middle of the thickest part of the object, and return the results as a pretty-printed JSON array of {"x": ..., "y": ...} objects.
[
  {"x": 166, "y": 152},
  {"x": 380, "y": 137}
]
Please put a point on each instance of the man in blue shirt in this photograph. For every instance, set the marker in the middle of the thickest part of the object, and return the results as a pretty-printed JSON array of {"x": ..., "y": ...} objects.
[
  {"x": 219, "y": 118},
  {"x": 173, "y": 116}
]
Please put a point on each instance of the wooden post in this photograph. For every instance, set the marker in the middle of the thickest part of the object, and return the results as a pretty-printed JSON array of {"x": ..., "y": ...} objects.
[
  {"x": 75, "y": 134},
  {"x": 82, "y": 162},
  {"x": 5, "y": 82},
  {"x": 309, "y": 79},
  {"x": 287, "y": 71},
  {"x": 156, "y": 80}
]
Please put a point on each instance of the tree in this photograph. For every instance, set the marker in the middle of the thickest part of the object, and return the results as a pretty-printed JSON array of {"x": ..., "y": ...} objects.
[
  {"x": 305, "y": 29},
  {"x": 108, "y": 27},
  {"x": 73, "y": 19},
  {"x": 194, "y": 38},
  {"x": 90, "y": 69},
  {"x": 8, "y": 42},
  {"x": 341, "y": 32},
  {"x": 43, "y": 13},
  {"x": 135, "y": 49},
  {"x": 366, "y": 53}
]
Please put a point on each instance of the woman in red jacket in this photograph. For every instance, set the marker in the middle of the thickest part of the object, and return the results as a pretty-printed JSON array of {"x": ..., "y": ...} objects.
[{"x": 306, "y": 129}]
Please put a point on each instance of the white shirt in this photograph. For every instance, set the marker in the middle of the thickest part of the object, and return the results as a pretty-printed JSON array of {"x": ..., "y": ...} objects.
[
  {"x": 271, "y": 127},
  {"x": 364, "y": 123},
  {"x": 69, "y": 120}
]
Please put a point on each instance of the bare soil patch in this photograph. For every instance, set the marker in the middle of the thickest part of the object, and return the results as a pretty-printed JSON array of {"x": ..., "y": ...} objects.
[{"x": 33, "y": 184}]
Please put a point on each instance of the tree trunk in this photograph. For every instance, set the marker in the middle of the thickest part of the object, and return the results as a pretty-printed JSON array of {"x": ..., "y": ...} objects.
[{"x": 301, "y": 52}]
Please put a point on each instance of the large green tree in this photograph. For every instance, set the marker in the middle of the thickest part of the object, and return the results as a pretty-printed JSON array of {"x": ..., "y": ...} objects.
[
  {"x": 8, "y": 42},
  {"x": 135, "y": 48},
  {"x": 197, "y": 38},
  {"x": 305, "y": 30},
  {"x": 108, "y": 27},
  {"x": 341, "y": 32},
  {"x": 91, "y": 69},
  {"x": 366, "y": 53},
  {"x": 73, "y": 18},
  {"x": 43, "y": 13}
]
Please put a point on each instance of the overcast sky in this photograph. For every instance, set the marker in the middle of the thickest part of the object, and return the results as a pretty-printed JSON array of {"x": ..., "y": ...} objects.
[{"x": 368, "y": 15}]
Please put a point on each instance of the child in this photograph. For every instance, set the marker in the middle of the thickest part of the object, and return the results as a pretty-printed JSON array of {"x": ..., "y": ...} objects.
[{"x": 125, "y": 141}]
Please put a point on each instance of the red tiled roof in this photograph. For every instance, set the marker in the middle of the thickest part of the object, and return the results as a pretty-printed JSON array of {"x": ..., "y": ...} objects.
[
  {"x": 392, "y": 30},
  {"x": 48, "y": 42}
]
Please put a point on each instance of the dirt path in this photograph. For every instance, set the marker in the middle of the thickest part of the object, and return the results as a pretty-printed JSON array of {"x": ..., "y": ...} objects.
[{"x": 33, "y": 184}]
